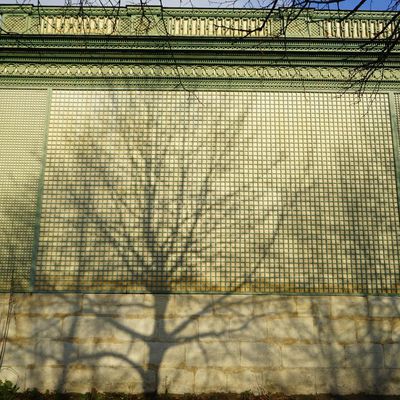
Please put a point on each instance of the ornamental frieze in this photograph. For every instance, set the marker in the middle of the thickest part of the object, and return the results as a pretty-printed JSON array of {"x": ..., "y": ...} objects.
[{"x": 191, "y": 72}]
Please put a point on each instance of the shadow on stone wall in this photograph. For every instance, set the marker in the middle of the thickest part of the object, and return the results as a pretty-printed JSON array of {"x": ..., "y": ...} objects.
[{"x": 200, "y": 343}]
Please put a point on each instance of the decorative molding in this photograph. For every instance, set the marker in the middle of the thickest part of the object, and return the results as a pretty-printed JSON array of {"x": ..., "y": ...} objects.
[
  {"x": 46, "y": 70},
  {"x": 133, "y": 21},
  {"x": 252, "y": 46},
  {"x": 78, "y": 25}
]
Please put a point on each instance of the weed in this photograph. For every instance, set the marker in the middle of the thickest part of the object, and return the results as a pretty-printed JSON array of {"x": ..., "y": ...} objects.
[
  {"x": 8, "y": 390},
  {"x": 92, "y": 395},
  {"x": 247, "y": 395},
  {"x": 33, "y": 394}
]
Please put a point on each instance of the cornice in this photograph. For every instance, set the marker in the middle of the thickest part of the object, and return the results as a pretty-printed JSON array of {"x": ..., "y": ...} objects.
[
  {"x": 106, "y": 43},
  {"x": 185, "y": 50},
  {"x": 197, "y": 85}
]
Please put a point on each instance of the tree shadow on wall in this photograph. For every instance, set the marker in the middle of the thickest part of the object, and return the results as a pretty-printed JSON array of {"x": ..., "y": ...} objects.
[
  {"x": 158, "y": 204},
  {"x": 156, "y": 210}
]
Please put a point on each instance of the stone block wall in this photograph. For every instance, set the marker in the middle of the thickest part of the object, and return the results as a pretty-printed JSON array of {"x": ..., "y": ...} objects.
[{"x": 202, "y": 343}]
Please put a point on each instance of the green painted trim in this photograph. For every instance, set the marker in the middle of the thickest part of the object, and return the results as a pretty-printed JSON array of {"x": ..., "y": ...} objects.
[
  {"x": 40, "y": 194},
  {"x": 278, "y": 87},
  {"x": 172, "y": 293},
  {"x": 396, "y": 142},
  {"x": 256, "y": 46},
  {"x": 195, "y": 84}
]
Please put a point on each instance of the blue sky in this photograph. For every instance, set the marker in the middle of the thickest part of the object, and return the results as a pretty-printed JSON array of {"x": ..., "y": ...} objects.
[
  {"x": 369, "y": 5},
  {"x": 346, "y": 4}
]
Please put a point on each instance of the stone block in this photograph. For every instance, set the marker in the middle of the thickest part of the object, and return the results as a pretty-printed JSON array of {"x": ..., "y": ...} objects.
[
  {"x": 292, "y": 330},
  {"x": 47, "y": 304},
  {"x": 176, "y": 381},
  {"x": 89, "y": 327},
  {"x": 313, "y": 306},
  {"x": 49, "y": 352},
  {"x": 381, "y": 307},
  {"x": 92, "y": 302},
  {"x": 39, "y": 327},
  {"x": 396, "y": 331},
  {"x": 345, "y": 381},
  {"x": 164, "y": 305},
  {"x": 5, "y": 308},
  {"x": 364, "y": 356},
  {"x": 349, "y": 306},
  {"x": 208, "y": 380},
  {"x": 46, "y": 378},
  {"x": 132, "y": 380},
  {"x": 212, "y": 355},
  {"x": 113, "y": 379},
  {"x": 126, "y": 354},
  {"x": 233, "y": 305},
  {"x": 340, "y": 331},
  {"x": 19, "y": 353},
  {"x": 135, "y": 329},
  {"x": 193, "y": 306},
  {"x": 177, "y": 329},
  {"x": 124, "y": 305},
  {"x": 244, "y": 380},
  {"x": 214, "y": 328},
  {"x": 79, "y": 378},
  {"x": 312, "y": 356},
  {"x": 109, "y": 379},
  {"x": 374, "y": 331},
  {"x": 14, "y": 374},
  {"x": 260, "y": 355},
  {"x": 274, "y": 306},
  {"x": 74, "y": 378},
  {"x": 392, "y": 355},
  {"x": 248, "y": 328},
  {"x": 4, "y": 298},
  {"x": 166, "y": 355},
  {"x": 289, "y": 381},
  {"x": 148, "y": 380},
  {"x": 389, "y": 383}
]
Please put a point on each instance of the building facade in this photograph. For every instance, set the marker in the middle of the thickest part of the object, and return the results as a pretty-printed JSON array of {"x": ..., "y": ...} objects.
[{"x": 199, "y": 200}]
